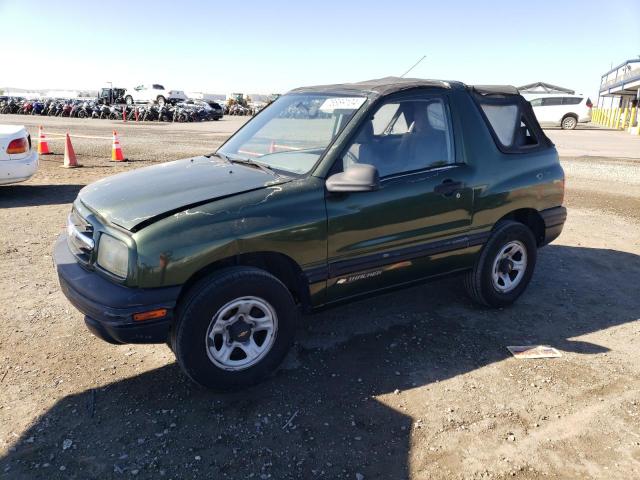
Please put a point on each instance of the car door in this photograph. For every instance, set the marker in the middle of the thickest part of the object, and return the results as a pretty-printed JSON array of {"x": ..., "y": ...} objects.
[
  {"x": 543, "y": 110},
  {"x": 414, "y": 223}
]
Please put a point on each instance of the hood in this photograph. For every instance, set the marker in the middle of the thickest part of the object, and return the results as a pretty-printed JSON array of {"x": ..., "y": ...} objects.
[{"x": 132, "y": 198}]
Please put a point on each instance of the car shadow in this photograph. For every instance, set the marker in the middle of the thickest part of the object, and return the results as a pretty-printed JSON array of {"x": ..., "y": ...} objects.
[
  {"x": 29, "y": 195},
  {"x": 330, "y": 412}
]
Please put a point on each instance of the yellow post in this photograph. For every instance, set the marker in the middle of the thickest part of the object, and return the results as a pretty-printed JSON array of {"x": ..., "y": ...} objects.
[
  {"x": 609, "y": 117},
  {"x": 624, "y": 118},
  {"x": 619, "y": 119},
  {"x": 594, "y": 115},
  {"x": 632, "y": 117}
]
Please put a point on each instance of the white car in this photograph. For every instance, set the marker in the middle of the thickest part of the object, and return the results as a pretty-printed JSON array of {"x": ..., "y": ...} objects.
[
  {"x": 153, "y": 92},
  {"x": 18, "y": 161},
  {"x": 562, "y": 110}
]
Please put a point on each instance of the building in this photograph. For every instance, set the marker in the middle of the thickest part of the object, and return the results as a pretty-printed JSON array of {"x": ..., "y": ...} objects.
[{"x": 620, "y": 86}]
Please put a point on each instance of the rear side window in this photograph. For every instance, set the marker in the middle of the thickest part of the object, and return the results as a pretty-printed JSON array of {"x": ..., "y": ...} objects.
[
  {"x": 552, "y": 101},
  {"x": 571, "y": 100},
  {"x": 512, "y": 126}
]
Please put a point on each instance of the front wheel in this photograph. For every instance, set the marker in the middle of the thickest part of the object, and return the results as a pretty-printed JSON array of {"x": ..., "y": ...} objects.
[
  {"x": 234, "y": 328},
  {"x": 128, "y": 100},
  {"x": 161, "y": 100},
  {"x": 504, "y": 267}
]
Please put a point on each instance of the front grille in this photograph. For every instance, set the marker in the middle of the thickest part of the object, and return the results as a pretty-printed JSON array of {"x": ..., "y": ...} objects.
[{"x": 80, "y": 237}]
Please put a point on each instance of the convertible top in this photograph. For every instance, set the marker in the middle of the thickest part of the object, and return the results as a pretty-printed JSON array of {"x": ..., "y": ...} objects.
[
  {"x": 495, "y": 89},
  {"x": 376, "y": 87},
  {"x": 387, "y": 85}
]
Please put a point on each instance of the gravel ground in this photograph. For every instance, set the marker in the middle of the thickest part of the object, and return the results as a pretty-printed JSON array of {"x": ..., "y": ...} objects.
[{"x": 416, "y": 384}]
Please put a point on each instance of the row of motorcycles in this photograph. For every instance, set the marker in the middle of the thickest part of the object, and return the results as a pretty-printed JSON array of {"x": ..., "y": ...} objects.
[{"x": 180, "y": 112}]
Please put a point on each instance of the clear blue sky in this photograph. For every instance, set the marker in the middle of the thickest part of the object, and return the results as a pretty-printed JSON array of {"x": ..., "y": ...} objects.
[{"x": 272, "y": 46}]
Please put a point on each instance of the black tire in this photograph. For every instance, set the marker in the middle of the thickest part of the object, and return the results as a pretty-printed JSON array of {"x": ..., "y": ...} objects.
[
  {"x": 161, "y": 100},
  {"x": 128, "y": 100},
  {"x": 188, "y": 337},
  {"x": 569, "y": 122},
  {"x": 479, "y": 282}
]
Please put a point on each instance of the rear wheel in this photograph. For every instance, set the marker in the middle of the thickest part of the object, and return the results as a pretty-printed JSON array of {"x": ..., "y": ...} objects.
[
  {"x": 161, "y": 100},
  {"x": 128, "y": 100},
  {"x": 234, "y": 328},
  {"x": 504, "y": 267},
  {"x": 569, "y": 122}
]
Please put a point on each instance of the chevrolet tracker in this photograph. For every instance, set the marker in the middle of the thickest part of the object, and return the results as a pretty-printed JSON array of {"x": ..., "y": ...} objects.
[{"x": 329, "y": 194}]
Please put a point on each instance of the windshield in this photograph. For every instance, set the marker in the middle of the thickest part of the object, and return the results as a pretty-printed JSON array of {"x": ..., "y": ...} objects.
[{"x": 293, "y": 132}]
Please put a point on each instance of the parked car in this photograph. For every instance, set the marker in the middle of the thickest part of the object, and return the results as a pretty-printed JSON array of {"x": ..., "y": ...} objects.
[
  {"x": 218, "y": 111},
  {"x": 18, "y": 161},
  {"x": 330, "y": 194},
  {"x": 561, "y": 110},
  {"x": 153, "y": 92}
]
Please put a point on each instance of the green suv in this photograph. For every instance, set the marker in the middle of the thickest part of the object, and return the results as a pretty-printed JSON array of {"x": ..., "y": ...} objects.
[{"x": 329, "y": 194}]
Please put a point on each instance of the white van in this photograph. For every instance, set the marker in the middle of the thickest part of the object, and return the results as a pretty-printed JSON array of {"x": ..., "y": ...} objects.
[{"x": 561, "y": 110}]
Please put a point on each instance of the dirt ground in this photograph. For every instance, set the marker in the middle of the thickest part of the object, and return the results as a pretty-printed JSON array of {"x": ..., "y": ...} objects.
[{"x": 416, "y": 384}]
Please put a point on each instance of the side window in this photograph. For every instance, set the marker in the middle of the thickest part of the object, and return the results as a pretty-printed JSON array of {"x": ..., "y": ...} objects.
[
  {"x": 551, "y": 101},
  {"x": 571, "y": 100},
  {"x": 390, "y": 120},
  {"x": 503, "y": 120},
  {"x": 511, "y": 127},
  {"x": 536, "y": 102},
  {"x": 404, "y": 136}
]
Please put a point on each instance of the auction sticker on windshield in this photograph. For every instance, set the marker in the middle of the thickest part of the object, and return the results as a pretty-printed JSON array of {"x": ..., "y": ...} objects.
[{"x": 342, "y": 103}]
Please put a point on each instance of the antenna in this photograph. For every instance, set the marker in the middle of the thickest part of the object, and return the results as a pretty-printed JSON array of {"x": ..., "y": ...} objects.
[{"x": 414, "y": 66}]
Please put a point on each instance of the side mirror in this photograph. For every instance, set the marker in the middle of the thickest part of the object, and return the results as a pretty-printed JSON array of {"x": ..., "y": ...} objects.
[{"x": 359, "y": 177}]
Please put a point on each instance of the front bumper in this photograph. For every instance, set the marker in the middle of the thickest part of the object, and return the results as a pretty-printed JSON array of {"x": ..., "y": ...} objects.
[
  {"x": 109, "y": 307},
  {"x": 554, "y": 219},
  {"x": 14, "y": 171}
]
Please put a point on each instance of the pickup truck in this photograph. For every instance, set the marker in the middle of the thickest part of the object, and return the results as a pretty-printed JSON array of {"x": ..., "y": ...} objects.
[
  {"x": 330, "y": 194},
  {"x": 153, "y": 92}
]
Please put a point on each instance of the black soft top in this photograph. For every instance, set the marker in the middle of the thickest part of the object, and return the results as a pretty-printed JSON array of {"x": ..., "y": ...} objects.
[
  {"x": 376, "y": 87},
  {"x": 387, "y": 85}
]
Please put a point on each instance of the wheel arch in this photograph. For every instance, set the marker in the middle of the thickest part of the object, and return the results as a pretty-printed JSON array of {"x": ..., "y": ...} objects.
[
  {"x": 531, "y": 218},
  {"x": 281, "y": 266}
]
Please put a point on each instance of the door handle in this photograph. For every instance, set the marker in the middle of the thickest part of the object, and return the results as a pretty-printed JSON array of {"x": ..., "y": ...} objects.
[{"x": 448, "y": 187}]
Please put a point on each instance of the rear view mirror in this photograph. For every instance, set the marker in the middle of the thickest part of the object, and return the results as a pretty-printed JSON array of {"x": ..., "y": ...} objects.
[{"x": 359, "y": 177}]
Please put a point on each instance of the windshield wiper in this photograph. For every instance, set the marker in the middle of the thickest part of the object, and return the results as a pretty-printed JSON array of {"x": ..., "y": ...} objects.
[
  {"x": 219, "y": 155},
  {"x": 252, "y": 163},
  {"x": 242, "y": 161}
]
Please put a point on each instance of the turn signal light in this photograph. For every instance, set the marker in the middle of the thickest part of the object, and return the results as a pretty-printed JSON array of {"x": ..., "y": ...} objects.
[
  {"x": 150, "y": 315},
  {"x": 19, "y": 145}
]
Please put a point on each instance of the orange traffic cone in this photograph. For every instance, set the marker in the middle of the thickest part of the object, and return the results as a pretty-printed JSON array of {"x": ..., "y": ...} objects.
[
  {"x": 70, "y": 160},
  {"x": 43, "y": 146},
  {"x": 116, "y": 150}
]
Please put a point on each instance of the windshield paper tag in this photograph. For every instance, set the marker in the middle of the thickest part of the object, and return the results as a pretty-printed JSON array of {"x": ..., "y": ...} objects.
[{"x": 342, "y": 103}]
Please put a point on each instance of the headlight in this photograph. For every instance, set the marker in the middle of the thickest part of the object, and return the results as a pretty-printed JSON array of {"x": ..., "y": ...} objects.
[{"x": 113, "y": 255}]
